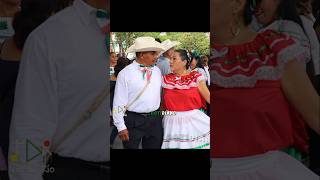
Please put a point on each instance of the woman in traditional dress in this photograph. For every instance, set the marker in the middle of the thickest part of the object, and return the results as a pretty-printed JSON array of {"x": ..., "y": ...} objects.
[
  {"x": 185, "y": 93},
  {"x": 262, "y": 95}
]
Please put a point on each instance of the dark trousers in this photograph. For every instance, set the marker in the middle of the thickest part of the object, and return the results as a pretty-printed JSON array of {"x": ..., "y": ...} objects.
[
  {"x": 314, "y": 152},
  {"x": 62, "y": 168},
  {"x": 4, "y": 175},
  {"x": 143, "y": 128}
]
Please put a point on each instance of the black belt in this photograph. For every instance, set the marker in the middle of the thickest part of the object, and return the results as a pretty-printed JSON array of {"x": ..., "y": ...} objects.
[
  {"x": 141, "y": 114},
  {"x": 57, "y": 160}
]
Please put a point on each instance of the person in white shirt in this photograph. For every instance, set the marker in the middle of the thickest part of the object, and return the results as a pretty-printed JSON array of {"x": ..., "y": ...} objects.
[
  {"x": 308, "y": 20},
  {"x": 205, "y": 60},
  {"x": 196, "y": 65},
  {"x": 164, "y": 61},
  {"x": 137, "y": 96},
  {"x": 60, "y": 99}
]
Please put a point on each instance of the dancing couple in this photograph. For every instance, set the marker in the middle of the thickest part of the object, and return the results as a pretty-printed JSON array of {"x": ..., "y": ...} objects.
[{"x": 139, "y": 90}]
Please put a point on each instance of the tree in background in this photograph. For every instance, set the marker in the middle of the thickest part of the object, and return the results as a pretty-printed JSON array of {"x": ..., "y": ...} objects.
[{"x": 193, "y": 41}]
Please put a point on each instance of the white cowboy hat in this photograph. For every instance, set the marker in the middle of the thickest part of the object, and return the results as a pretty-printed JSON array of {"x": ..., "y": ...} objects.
[
  {"x": 143, "y": 44},
  {"x": 168, "y": 44}
]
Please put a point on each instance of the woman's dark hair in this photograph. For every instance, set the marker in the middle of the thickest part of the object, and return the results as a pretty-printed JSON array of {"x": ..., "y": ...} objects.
[
  {"x": 248, "y": 12},
  {"x": 121, "y": 63},
  {"x": 199, "y": 61},
  {"x": 316, "y": 8},
  {"x": 31, "y": 15},
  {"x": 184, "y": 56},
  {"x": 287, "y": 10}
]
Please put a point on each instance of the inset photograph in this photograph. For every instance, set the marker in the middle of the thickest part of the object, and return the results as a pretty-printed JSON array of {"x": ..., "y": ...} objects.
[{"x": 159, "y": 90}]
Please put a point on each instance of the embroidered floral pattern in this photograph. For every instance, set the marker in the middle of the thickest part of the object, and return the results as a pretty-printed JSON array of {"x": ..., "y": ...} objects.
[
  {"x": 262, "y": 59},
  {"x": 172, "y": 81}
]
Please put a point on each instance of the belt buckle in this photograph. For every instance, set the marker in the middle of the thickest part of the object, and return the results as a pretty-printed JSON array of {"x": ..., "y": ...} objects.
[
  {"x": 103, "y": 167},
  {"x": 145, "y": 114}
]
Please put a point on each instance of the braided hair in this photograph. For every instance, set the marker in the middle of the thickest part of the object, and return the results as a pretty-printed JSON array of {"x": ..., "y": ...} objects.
[{"x": 248, "y": 11}]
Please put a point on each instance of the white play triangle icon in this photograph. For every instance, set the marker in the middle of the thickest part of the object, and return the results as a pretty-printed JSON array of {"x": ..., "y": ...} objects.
[{"x": 32, "y": 151}]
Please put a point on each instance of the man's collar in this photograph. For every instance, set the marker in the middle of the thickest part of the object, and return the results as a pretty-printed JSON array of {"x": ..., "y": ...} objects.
[
  {"x": 86, "y": 12},
  {"x": 101, "y": 13},
  {"x": 140, "y": 65}
]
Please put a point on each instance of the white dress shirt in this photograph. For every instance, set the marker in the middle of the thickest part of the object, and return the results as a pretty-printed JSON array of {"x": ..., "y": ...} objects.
[
  {"x": 129, "y": 84},
  {"x": 63, "y": 69},
  {"x": 164, "y": 65},
  {"x": 206, "y": 69}
]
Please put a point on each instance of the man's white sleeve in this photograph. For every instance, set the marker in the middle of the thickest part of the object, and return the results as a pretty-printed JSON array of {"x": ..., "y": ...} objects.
[
  {"x": 120, "y": 101},
  {"x": 35, "y": 111}
]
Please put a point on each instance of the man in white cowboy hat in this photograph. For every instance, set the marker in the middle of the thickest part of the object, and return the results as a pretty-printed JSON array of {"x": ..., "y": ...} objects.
[
  {"x": 164, "y": 60},
  {"x": 137, "y": 96}
]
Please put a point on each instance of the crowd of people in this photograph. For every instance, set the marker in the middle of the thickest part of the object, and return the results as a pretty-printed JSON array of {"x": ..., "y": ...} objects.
[
  {"x": 161, "y": 97},
  {"x": 265, "y": 78}
]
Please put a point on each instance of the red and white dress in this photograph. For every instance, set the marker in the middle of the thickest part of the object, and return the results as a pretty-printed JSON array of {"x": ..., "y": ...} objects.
[
  {"x": 187, "y": 127},
  {"x": 253, "y": 119}
]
